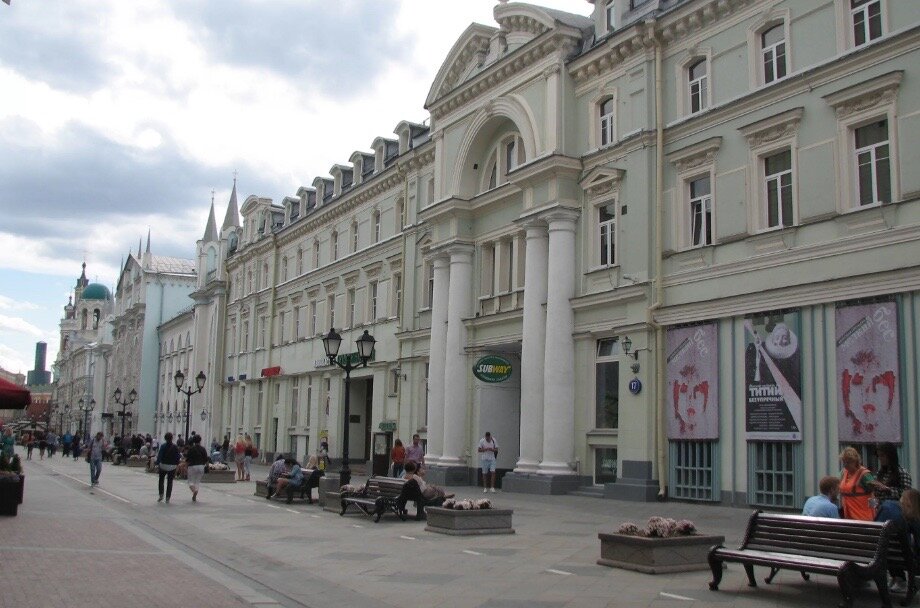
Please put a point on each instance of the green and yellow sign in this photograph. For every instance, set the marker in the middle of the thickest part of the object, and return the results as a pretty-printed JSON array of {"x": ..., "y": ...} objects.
[{"x": 492, "y": 368}]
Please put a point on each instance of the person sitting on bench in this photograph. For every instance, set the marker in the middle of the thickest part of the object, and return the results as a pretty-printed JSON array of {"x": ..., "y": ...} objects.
[
  {"x": 279, "y": 469},
  {"x": 825, "y": 503},
  {"x": 294, "y": 478},
  {"x": 412, "y": 490},
  {"x": 312, "y": 474}
]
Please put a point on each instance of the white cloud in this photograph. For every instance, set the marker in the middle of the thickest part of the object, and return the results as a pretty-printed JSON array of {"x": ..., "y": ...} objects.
[
  {"x": 7, "y": 303},
  {"x": 11, "y": 361},
  {"x": 19, "y": 325}
]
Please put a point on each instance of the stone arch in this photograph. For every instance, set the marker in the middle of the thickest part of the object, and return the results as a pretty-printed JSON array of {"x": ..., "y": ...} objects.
[{"x": 480, "y": 134}]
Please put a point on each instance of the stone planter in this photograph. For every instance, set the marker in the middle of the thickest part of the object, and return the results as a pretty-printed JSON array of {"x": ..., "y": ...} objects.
[
  {"x": 657, "y": 555},
  {"x": 219, "y": 477},
  {"x": 469, "y": 523}
]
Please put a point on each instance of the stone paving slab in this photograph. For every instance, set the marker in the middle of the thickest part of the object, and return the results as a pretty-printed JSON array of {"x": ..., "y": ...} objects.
[{"x": 231, "y": 549}]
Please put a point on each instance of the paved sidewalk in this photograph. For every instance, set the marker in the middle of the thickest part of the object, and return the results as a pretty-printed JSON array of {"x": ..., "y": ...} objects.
[{"x": 116, "y": 546}]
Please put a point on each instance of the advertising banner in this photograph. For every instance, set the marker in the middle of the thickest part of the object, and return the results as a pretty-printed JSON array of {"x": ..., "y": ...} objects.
[
  {"x": 773, "y": 377},
  {"x": 867, "y": 373},
  {"x": 693, "y": 382}
]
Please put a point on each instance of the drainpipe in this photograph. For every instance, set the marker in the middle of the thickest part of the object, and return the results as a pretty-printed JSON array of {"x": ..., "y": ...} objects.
[
  {"x": 660, "y": 438},
  {"x": 269, "y": 412}
]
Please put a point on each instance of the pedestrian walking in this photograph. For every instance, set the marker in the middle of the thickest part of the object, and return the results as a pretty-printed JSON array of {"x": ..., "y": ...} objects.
[
  {"x": 415, "y": 453},
  {"x": 488, "y": 452},
  {"x": 42, "y": 446},
  {"x": 94, "y": 451},
  {"x": 167, "y": 462},
  {"x": 9, "y": 443},
  {"x": 30, "y": 445},
  {"x": 67, "y": 442},
  {"x": 197, "y": 459},
  {"x": 249, "y": 452},
  {"x": 398, "y": 456},
  {"x": 75, "y": 447},
  {"x": 52, "y": 444},
  {"x": 239, "y": 453}
]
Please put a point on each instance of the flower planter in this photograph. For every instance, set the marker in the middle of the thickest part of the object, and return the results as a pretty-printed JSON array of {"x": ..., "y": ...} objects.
[
  {"x": 657, "y": 555},
  {"x": 469, "y": 522},
  {"x": 219, "y": 477},
  {"x": 9, "y": 496}
]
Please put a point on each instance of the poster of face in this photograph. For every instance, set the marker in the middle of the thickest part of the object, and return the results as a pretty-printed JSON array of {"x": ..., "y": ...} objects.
[
  {"x": 773, "y": 377},
  {"x": 867, "y": 373},
  {"x": 693, "y": 382}
]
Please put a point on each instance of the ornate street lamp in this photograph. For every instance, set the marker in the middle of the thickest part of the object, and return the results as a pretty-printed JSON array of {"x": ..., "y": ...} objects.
[
  {"x": 132, "y": 397},
  {"x": 179, "y": 378},
  {"x": 86, "y": 408},
  {"x": 331, "y": 343}
]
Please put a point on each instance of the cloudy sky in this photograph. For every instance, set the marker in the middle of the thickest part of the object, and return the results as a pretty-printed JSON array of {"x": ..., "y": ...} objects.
[{"x": 121, "y": 116}]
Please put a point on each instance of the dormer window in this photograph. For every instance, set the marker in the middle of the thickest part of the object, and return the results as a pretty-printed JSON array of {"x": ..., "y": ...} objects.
[
  {"x": 610, "y": 15},
  {"x": 507, "y": 156}
]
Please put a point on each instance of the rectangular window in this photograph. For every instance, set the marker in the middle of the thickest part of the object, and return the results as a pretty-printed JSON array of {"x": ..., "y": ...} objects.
[
  {"x": 313, "y": 305},
  {"x": 605, "y": 465},
  {"x": 873, "y": 164},
  {"x": 354, "y": 237},
  {"x": 292, "y": 443},
  {"x": 430, "y": 286},
  {"x": 700, "y": 212},
  {"x": 309, "y": 401},
  {"x": 334, "y": 245},
  {"x": 607, "y": 400},
  {"x": 773, "y": 50},
  {"x": 397, "y": 294},
  {"x": 259, "y": 404},
  {"x": 607, "y": 232},
  {"x": 778, "y": 181},
  {"x": 315, "y": 255},
  {"x": 245, "y": 336},
  {"x": 699, "y": 93},
  {"x": 376, "y": 226},
  {"x": 773, "y": 474},
  {"x": 372, "y": 300},
  {"x": 262, "y": 324},
  {"x": 610, "y": 11},
  {"x": 282, "y": 317},
  {"x": 330, "y": 310},
  {"x": 867, "y": 20},
  {"x": 394, "y": 382},
  {"x": 298, "y": 334},
  {"x": 694, "y": 470},
  {"x": 511, "y": 156},
  {"x": 328, "y": 394},
  {"x": 607, "y": 124},
  {"x": 295, "y": 399},
  {"x": 350, "y": 307}
]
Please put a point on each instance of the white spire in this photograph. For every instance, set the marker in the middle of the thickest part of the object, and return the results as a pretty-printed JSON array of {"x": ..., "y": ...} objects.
[{"x": 232, "y": 219}]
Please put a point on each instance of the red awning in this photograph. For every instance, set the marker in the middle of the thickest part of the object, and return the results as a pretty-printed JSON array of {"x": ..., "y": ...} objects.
[
  {"x": 13, "y": 397},
  {"x": 268, "y": 372}
]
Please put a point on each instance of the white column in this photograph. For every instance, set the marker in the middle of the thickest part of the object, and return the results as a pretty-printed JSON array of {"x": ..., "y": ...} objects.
[
  {"x": 436, "y": 361},
  {"x": 456, "y": 372},
  {"x": 533, "y": 348},
  {"x": 559, "y": 361}
]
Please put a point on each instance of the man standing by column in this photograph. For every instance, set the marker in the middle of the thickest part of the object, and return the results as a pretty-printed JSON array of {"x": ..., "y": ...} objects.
[
  {"x": 416, "y": 452},
  {"x": 488, "y": 452}
]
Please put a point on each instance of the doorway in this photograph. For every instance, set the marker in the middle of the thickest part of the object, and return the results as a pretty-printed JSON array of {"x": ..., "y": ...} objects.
[{"x": 361, "y": 409}]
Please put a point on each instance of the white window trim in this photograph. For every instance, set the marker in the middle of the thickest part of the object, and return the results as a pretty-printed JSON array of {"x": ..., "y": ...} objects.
[
  {"x": 765, "y": 138},
  {"x": 856, "y": 106},
  {"x": 496, "y": 157},
  {"x": 691, "y": 163},
  {"x": 844, "y": 29},
  {"x": 596, "y": 233},
  {"x": 687, "y": 208},
  {"x": 594, "y": 111},
  {"x": 755, "y": 46},
  {"x": 683, "y": 77}
]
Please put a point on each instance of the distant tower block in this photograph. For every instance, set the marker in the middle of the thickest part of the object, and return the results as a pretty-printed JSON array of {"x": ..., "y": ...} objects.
[{"x": 39, "y": 375}]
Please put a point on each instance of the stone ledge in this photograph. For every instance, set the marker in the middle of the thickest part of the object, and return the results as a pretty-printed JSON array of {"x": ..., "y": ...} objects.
[
  {"x": 657, "y": 555},
  {"x": 219, "y": 477},
  {"x": 457, "y": 522}
]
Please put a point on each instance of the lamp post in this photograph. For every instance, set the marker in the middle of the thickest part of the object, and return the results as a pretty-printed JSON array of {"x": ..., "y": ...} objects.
[
  {"x": 65, "y": 411},
  {"x": 132, "y": 397},
  {"x": 179, "y": 378},
  {"x": 331, "y": 343},
  {"x": 86, "y": 408}
]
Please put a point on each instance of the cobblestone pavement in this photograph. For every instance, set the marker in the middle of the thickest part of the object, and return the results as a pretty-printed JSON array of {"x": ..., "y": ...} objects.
[{"x": 114, "y": 545}]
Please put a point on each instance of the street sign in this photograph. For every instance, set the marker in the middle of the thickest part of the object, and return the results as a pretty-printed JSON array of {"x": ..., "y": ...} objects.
[{"x": 635, "y": 386}]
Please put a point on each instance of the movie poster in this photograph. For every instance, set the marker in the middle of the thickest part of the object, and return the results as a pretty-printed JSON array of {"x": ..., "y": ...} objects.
[
  {"x": 693, "y": 382},
  {"x": 867, "y": 374},
  {"x": 773, "y": 377}
]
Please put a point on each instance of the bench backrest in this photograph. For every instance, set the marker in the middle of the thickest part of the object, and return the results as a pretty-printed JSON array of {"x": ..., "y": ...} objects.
[
  {"x": 389, "y": 487},
  {"x": 856, "y": 541}
]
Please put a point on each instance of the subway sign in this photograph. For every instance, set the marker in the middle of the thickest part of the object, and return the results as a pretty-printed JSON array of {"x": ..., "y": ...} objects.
[{"x": 492, "y": 368}]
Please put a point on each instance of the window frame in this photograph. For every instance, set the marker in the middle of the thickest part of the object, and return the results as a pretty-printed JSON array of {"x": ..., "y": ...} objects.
[
  {"x": 497, "y": 165},
  {"x": 702, "y": 82},
  {"x": 688, "y": 209},
  {"x": 611, "y": 248}
]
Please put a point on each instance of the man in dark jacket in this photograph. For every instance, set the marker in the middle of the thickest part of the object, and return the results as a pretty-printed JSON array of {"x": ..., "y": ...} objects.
[{"x": 167, "y": 461}]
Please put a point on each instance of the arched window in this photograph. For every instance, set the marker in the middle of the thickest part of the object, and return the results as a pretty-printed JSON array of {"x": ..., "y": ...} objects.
[
  {"x": 773, "y": 53},
  {"x": 179, "y": 345},
  {"x": 506, "y": 156},
  {"x": 698, "y": 85},
  {"x": 83, "y": 317},
  {"x": 188, "y": 339},
  {"x": 96, "y": 315}
]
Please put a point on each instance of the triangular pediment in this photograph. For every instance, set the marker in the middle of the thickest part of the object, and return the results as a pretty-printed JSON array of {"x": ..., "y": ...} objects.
[
  {"x": 470, "y": 48},
  {"x": 601, "y": 180}
]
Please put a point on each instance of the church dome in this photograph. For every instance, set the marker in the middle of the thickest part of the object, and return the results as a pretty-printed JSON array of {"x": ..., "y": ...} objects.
[{"x": 96, "y": 291}]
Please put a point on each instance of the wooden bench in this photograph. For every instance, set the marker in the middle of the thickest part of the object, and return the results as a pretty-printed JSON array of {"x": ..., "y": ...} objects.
[
  {"x": 853, "y": 551},
  {"x": 378, "y": 497}
]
